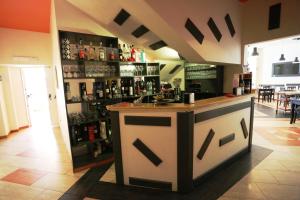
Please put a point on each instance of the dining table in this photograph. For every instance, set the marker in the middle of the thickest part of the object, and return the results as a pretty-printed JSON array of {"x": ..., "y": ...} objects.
[
  {"x": 295, "y": 102},
  {"x": 285, "y": 96}
]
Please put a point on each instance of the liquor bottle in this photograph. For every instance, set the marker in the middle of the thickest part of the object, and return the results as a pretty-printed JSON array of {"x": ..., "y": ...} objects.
[
  {"x": 130, "y": 88},
  {"x": 102, "y": 54},
  {"x": 103, "y": 134},
  {"x": 111, "y": 53},
  {"x": 91, "y": 52},
  {"x": 149, "y": 87},
  {"x": 98, "y": 88},
  {"x": 126, "y": 87},
  {"x": 128, "y": 53},
  {"x": 142, "y": 56},
  {"x": 133, "y": 54},
  {"x": 137, "y": 87},
  {"x": 241, "y": 83},
  {"x": 81, "y": 53},
  {"x": 153, "y": 86},
  {"x": 83, "y": 92},
  {"x": 120, "y": 53},
  {"x": 113, "y": 88},
  {"x": 107, "y": 90},
  {"x": 124, "y": 53},
  {"x": 122, "y": 88}
]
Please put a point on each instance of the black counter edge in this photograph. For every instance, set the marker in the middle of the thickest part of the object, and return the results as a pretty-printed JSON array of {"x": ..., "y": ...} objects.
[
  {"x": 150, "y": 183},
  {"x": 203, "y": 116},
  {"x": 147, "y": 120},
  {"x": 251, "y": 123},
  {"x": 185, "y": 139},
  {"x": 117, "y": 147}
]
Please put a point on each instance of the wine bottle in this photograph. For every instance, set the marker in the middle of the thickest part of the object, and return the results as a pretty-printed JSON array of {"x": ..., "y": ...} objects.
[
  {"x": 113, "y": 89},
  {"x": 130, "y": 88},
  {"x": 122, "y": 88},
  {"x": 120, "y": 53},
  {"x": 83, "y": 92},
  {"x": 111, "y": 53},
  {"x": 133, "y": 54},
  {"x": 107, "y": 90}
]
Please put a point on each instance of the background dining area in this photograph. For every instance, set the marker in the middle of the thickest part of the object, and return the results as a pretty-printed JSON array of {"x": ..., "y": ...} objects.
[{"x": 282, "y": 97}]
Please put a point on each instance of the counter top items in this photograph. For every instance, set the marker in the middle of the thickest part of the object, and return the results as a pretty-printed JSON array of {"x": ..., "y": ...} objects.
[{"x": 178, "y": 106}]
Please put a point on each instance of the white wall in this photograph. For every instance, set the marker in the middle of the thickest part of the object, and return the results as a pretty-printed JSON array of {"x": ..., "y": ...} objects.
[
  {"x": 271, "y": 54},
  {"x": 256, "y": 16},
  {"x": 24, "y": 43},
  {"x": 4, "y": 126},
  {"x": 60, "y": 98}
]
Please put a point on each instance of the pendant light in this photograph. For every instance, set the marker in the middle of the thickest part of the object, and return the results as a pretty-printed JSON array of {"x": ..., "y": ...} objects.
[
  {"x": 282, "y": 58},
  {"x": 255, "y": 53},
  {"x": 296, "y": 60}
]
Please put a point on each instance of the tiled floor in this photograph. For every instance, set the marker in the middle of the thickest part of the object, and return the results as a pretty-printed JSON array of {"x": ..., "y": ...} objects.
[
  {"x": 37, "y": 160},
  {"x": 34, "y": 164}
]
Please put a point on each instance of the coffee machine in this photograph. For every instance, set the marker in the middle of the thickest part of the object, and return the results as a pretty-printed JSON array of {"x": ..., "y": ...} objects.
[{"x": 177, "y": 91}]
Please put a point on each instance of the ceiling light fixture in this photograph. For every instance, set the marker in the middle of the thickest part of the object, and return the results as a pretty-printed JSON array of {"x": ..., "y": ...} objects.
[
  {"x": 255, "y": 53},
  {"x": 282, "y": 58},
  {"x": 296, "y": 60}
]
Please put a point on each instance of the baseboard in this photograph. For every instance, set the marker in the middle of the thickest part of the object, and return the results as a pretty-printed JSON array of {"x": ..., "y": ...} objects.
[{"x": 14, "y": 131}]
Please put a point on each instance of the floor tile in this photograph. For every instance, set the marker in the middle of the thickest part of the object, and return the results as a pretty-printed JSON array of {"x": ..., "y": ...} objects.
[
  {"x": 24, "y": 176},
  {"x": 287, "y": 178},
  {"x": 279, "y": 192},
  {"x": 56, "y": 182},
  {"x": 245, "y": 191},
  {"x": 48, "y": 195},
  {"x": 259, "y": 176}
]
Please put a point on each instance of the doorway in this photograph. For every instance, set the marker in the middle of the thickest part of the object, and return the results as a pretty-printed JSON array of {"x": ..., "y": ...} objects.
[{"x": 37, "y": 95}]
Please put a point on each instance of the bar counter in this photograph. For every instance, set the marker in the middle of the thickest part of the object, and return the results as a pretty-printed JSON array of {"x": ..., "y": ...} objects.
[{"x": 177, "y": 146}]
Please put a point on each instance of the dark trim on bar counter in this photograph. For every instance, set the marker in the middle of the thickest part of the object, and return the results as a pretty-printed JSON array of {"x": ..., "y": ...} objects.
[
  {"x": 205, "y": 144},
  {"x": 151, "y": 183},
  {"x": 147, "y": 152},
  {"x": 185, "y": 140},
  {"x": 147, "y": 121},
  {"x": 229, "y": 25},
  {"x": 226, "y": 139},
  {"x": 251, "y": 122},
  {"x": 203, "y": 116},
  {"x": 244, "y": 128},
  {"x": 115, "y": 126}
]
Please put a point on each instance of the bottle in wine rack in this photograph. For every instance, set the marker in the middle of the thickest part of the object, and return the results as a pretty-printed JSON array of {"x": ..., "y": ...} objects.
[
  {"x": 111, "y": 53},
  {"x": 130, "y": 88},
  {"x": 82, "y": 90},
  {"x": 107, "y": 90},
  {"x": 122, "y": 88},
  {"x": 120, "y": 53}
]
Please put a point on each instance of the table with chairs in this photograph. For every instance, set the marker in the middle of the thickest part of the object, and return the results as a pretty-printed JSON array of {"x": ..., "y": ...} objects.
[{"x": 295, "y": 108}]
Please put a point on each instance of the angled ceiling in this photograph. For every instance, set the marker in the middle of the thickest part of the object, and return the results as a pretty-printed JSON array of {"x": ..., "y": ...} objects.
[
  {"x": 167, "y": 24},
  {"x": 30, "y": 15}
]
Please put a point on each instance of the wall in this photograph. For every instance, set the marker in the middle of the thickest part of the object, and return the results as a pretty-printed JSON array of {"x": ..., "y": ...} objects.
[
  {"x": 4, "y": 126},
  {"x": 270, "y": 54},
  {"x": 229, "y": 70},
  {"x": 24, "y": 43},
  {"x": 256, "y": 16},
  {"x": 60, "y": 98},
  {"x": 14, "y": 98}
]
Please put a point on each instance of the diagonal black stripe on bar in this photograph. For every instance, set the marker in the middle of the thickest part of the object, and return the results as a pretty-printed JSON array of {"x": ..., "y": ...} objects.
[
  {"x": 226, "y": 139},
  {"x": 148, "y": 153},
  {"x": 191, "y": 27},
  {"x": 244, "y": 128},
  {"x": 150, "y": 183},
  {"x": 214, "y": 29},
  {"x": 122, "y": 16},
  {"x": 158, "y": 45},
  {"x": 141, "y": 30},
  {"x": 200, "y": 117},
  {"x": 229, "y": 25},
  {"x": 147, "y": 121},
  {"x": 205, "y": 144}
]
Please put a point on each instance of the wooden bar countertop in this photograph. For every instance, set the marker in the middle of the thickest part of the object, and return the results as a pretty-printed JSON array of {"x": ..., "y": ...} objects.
[{"x": 177, "y": 106}]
